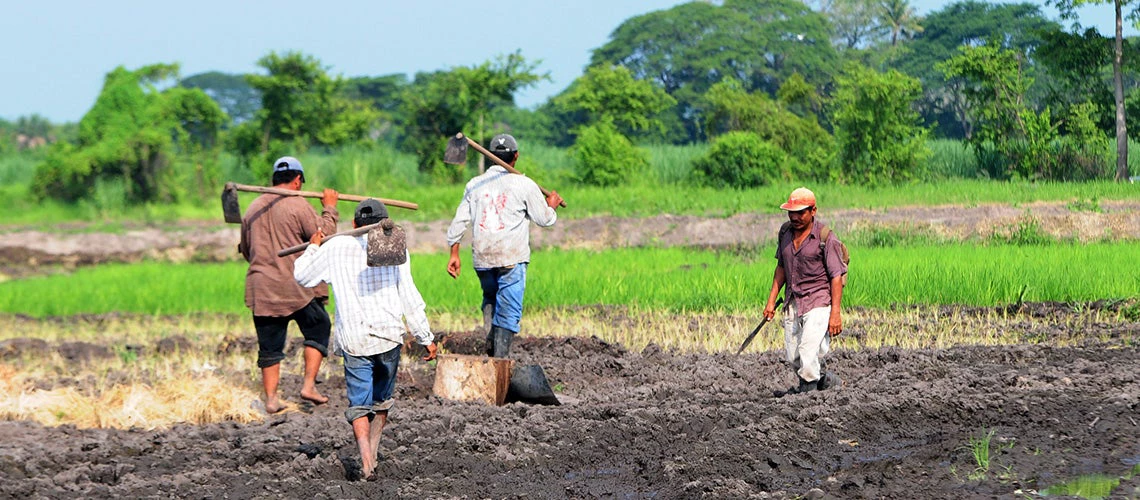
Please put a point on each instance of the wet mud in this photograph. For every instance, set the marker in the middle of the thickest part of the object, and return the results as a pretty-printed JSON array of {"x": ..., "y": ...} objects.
[{"x": 647, "y": 424}]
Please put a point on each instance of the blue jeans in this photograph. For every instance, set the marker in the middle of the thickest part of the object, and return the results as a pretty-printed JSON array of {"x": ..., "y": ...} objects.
[
  {"x": 371, "y": 381},
  {"x": 503, "y": 289}
]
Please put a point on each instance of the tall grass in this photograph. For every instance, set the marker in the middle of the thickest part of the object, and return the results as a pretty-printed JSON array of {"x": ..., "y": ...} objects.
[
  {"x": 384, "y": 172},
  {"x": 673, "y": 279}
]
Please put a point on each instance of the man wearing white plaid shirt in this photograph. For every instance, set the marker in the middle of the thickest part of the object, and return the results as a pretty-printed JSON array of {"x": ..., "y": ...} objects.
[{"x": 372, "y": 304}]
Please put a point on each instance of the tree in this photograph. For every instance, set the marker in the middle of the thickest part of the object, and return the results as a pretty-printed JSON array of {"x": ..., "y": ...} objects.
[
  {"x": 855, "y": 23},
  {"x": 439, "y": 104},
  {"x": 899, "y": 18},
  {"x": 1011, "y": 138},
  {"x": 301, "y": 106},
  {"x": 688, "y": 48},
  {"x": 729, "y": 107},
  {"x": 1068, "y": 11},
  {"x": 232, "y": 93},
  {"x": 970, "y": 23},
  {"x": 611, "y": 94},
  {"x": 878, "y": 133},
  {"x": 383, "y": 93},
  {"x": 131, "y": 136}
]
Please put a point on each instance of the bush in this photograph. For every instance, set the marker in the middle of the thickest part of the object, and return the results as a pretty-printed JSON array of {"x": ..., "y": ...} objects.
[
  {"x": 742, "y": 160},
  {"x": 605, "y": 157}
]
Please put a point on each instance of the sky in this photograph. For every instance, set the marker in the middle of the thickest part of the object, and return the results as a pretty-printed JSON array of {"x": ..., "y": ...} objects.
[{"x": 57, "y": 51}]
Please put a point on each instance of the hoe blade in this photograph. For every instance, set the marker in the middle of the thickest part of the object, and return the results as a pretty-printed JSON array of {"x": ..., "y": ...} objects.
[
  {"x": 456, "y": 153},
  {"x": 231, "y": 210},
  {"x": 529, "y": 385}
]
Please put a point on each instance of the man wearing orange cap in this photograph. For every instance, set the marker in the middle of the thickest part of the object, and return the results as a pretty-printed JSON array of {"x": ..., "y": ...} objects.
[{"x": 810, "y": 261}]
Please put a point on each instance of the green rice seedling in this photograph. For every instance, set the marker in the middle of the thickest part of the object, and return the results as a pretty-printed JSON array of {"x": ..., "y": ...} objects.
[
  {"x": 979, "y": 448},
  {"x": 1089, "y": 487},
  {"x": 671, "y": 279}
]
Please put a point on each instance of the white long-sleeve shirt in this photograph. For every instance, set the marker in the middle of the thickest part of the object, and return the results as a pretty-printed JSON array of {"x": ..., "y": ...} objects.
[
  {"x": 500, "y": 206},
  {"x": 372, "y": 303}
]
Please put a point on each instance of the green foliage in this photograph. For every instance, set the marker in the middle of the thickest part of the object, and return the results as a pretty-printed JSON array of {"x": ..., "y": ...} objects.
[
  {"x": 951, "y": 158},
  {"x": 233, "y": 93},
  {"x": 301, "y": 106},
  {"x": 1012, "y": 140},
  {"x": 688, "y": 48},
  {"x": 965, "y": 23},
  {"x": 731, "y": 108},
  {"x": 741, "y": 160},
  {"x": 440, "y": 104},
  {"x": 877, "y": 130},
  {"x": 605, "y": 157},
  {"x": 132, "y": 133},
  {"x": 611, "y": 94}
]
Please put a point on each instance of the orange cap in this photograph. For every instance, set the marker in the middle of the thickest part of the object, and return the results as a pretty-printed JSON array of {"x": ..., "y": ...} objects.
[{"x": 800, "y": 199}]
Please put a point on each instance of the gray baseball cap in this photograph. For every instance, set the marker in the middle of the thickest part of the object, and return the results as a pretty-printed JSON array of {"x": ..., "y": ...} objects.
[
  {"x": 371, "y": 208},
  {"x": 503, "y": 142}
]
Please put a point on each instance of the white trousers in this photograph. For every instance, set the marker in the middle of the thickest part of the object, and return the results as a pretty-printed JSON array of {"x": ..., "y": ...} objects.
[{"x": 806, "y": 339}]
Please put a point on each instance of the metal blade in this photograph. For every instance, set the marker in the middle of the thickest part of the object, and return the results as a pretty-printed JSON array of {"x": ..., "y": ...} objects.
[
  {"x": 456, "y": 153},
  {"x": 231, "y": 209},
  {"x": 752, "y": 335}
]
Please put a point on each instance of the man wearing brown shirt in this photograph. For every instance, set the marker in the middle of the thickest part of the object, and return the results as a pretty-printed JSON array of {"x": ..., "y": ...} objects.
[
  {"x": 273, "y": 222},
  {"x": 810, "y": 262}
]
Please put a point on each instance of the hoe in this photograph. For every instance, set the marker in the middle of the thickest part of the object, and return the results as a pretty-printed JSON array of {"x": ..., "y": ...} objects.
[{"x": 232, "y": 210}]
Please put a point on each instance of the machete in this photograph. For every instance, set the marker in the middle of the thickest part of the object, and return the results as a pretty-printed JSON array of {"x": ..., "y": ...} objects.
[{"x": 757, "y": 329}]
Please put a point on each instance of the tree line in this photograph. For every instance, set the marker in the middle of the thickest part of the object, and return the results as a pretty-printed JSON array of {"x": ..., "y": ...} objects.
[{"x": 842, "y": 90}]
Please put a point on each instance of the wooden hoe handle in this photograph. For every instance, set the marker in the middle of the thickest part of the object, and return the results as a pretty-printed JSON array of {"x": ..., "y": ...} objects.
[{"x": 314, "y": 194}]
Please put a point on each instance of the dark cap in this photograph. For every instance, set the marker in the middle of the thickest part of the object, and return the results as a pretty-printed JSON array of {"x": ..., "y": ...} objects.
[
  {"x": 371, "y": 209},
  {"x": 503, "y": 142}
]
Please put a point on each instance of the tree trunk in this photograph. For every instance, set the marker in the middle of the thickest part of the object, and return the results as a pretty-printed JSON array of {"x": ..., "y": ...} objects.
[{"x": 1118, "y": 88}]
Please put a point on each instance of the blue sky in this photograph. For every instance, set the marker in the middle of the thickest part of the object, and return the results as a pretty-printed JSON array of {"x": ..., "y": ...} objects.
[{"x": 57, "y": 51}]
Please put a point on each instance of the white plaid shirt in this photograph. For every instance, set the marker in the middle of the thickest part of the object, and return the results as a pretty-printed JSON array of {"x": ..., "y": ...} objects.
[
  {"x": 500, "y": 205},
  {"x": 371, "y": 302}
]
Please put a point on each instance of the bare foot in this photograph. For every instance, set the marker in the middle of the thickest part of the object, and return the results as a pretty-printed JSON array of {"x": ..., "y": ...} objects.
[
  {"x": 313, "y": 396},
  {"x": 273, "y": 405}
]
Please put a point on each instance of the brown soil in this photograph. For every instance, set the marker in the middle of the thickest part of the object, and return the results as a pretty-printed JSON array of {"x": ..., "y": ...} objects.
[
  {"x": 22, "y": 251},
  {"x": 647, "y": 424}
]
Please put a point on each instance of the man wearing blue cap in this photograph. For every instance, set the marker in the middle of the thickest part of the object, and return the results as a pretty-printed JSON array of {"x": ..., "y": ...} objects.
[{"x": 273, "y": 222}]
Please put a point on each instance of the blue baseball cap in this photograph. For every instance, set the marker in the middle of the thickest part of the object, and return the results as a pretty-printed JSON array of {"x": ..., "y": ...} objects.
[{"x": 286, "y": 163}]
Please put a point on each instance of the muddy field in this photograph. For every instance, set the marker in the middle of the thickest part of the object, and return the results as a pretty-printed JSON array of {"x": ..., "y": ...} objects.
[{"x": 651, "y": 424}]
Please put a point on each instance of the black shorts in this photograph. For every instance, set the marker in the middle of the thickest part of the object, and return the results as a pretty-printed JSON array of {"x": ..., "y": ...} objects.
[{"x": 313, "y": 321}]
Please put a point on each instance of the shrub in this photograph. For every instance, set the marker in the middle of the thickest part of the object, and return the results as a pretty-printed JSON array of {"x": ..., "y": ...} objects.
[
  {"x": 605, "y": 157},
  {"x": 742, "y": 160}
]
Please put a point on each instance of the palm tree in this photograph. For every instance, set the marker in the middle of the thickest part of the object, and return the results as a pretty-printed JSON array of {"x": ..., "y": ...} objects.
[{"x": 899, "y": 17}]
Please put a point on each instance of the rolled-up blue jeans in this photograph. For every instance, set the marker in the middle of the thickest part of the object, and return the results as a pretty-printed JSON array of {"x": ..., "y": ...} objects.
[
  {"x": 371, "y": 380},
  {"x": 503, "y": 289}
]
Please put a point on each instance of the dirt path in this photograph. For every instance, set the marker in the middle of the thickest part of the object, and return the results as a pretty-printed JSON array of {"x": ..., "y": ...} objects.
[
  {"x": 651, "y": 424},
  {"x": 22, "y": 249}
]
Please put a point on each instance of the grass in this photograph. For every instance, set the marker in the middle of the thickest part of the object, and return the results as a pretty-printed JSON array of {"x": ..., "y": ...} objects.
[
  {"x": 669, "y": 279},
  {"x": 979, "y": 448},
  {"x": 664, "y": 188}
]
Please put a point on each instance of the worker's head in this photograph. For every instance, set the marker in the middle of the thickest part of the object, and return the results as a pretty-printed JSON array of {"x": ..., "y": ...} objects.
[
  {"x": 800, "y": 207},
  {"x": 369, "y": 211},
  {"x": 505, "y": 148},
  {"x": 286, "y": 169}
]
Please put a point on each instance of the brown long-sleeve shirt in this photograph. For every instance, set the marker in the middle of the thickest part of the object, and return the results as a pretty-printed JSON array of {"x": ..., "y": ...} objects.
[{"x": 271, "y": 223}]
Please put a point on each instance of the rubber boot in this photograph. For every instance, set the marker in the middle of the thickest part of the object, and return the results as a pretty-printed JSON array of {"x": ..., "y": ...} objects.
[
  {"x": 804, "y": 386},
  {"x": 488, "y": 313},
  {"x": 500, "y": 344}
]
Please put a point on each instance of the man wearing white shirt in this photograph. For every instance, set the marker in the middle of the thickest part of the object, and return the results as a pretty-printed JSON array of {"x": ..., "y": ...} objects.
[
  {"x": 499, "y": 206},
  {"x": 372, "y": 304}
]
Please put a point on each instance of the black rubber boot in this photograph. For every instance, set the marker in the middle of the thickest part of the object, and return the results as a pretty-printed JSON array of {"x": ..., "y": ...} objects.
[
  {"x": 804, "y": 386},
  {"x": 500, "y": 341}
]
